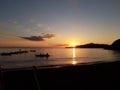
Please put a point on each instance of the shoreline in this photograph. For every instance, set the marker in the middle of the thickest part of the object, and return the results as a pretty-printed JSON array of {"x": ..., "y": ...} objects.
[
  {"x": 76, "y": 77},
  {"x": 56, "y": 65}
]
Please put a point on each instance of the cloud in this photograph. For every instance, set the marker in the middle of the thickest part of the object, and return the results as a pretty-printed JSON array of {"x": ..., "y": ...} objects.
[
  {"x": 31, "y": 20},
  {"x": 40, "y": 25},
  {"x": 39, "y": 38},
  {"x": 62, "y": 45},
  {"x": 34, "y": 38},
  {"x": 13, "y": 21},
  {"x": 48, "y": 36}
]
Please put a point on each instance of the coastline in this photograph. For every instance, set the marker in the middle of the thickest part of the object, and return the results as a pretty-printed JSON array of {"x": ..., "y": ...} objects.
[
  {"x": 53, "y": 66},
  {"x": 97, "y": 76}
]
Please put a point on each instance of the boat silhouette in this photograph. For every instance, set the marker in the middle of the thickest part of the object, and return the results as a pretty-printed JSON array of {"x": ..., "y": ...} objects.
[{"x": 42, "y": 55}]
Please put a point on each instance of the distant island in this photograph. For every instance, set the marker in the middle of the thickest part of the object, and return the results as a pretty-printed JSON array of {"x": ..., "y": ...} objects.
[
  {"x": 92, "y": 45},
  {"x": 114, "y": 46}
]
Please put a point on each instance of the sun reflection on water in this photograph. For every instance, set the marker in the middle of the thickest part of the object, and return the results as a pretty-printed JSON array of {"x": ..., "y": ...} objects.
[{"x": 74, "y": 61}]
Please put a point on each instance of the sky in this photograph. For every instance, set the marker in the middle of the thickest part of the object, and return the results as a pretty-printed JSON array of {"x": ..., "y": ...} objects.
[{"x": 58, "y": 23}]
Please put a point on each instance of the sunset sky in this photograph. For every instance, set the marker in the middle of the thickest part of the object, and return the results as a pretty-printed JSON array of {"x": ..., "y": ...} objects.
[{"x": 56, "y": 23}]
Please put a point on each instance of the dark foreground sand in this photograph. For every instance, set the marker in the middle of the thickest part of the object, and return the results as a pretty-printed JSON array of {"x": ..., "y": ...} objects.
[{"x": 103, "y": 76}]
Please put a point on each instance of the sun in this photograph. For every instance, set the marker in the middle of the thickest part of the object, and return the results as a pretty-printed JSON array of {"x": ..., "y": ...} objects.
[{"x": 73, "y": 44}]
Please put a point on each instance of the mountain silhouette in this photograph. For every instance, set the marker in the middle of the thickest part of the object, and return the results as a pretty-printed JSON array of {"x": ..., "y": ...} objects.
[
  {"x": 92, "y": 45},
  {"x": 114, "y": 46}
]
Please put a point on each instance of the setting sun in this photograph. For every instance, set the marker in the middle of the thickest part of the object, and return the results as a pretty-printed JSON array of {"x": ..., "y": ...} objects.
[{"x": 73, "y": 44}]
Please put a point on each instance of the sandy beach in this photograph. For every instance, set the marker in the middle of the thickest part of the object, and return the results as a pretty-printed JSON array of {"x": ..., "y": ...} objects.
[{"x": 101, "y": 76}]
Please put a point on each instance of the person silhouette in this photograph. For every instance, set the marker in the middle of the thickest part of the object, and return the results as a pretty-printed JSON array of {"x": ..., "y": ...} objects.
[{"x": 47, "y": 55}]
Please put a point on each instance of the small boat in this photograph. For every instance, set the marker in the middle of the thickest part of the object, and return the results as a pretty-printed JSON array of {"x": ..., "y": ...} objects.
[{"x": 42, "y": 55}]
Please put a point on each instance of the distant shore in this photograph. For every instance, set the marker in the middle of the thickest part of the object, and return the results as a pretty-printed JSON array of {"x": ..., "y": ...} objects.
[{"x": 114, "y": 46}]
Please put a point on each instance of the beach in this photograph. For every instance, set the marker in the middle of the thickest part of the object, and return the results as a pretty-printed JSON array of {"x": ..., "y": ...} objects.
[{"x": 101, "y": 76}]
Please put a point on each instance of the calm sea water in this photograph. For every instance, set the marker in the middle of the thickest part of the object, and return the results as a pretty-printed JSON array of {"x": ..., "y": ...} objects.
[{"x": 58, "y": 56}]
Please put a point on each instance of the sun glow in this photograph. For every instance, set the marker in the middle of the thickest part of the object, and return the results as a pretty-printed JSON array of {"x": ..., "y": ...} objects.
[
  {"x": 73, "y": 44},
  {"x": 74, "y": 62}
]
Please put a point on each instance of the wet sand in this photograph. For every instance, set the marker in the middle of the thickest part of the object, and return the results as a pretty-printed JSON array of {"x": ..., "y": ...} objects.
[{"x": 101, "y": 76}]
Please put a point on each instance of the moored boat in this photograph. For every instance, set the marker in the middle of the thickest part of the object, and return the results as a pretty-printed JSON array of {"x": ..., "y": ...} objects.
[{"x": 42, "y": 55}]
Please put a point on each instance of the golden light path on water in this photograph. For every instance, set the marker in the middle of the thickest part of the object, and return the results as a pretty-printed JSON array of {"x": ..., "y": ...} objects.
[{"x": 73, "y": 53}]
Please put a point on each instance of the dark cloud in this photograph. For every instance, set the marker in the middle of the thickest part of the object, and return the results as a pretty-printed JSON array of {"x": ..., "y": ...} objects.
[
  {"x": 34, "y": 38},
  {"x": 39, "y": 38},
  {"x": 48, "y": 36}
]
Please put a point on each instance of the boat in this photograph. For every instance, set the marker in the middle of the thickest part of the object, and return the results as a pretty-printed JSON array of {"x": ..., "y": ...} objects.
[{"x": 42, "y": 55}]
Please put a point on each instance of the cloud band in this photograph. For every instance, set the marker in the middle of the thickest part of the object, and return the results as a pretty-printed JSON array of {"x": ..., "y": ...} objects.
[{"x": 39, "y": 38}]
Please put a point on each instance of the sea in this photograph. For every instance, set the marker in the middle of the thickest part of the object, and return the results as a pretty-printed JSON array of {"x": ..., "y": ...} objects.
[{"x": 58, "y": 57}]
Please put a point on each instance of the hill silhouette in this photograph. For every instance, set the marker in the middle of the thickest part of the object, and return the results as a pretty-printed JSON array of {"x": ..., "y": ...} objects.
[
  {"x": 114, "y": 46},
  {"x": 92, "y": 45}
]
